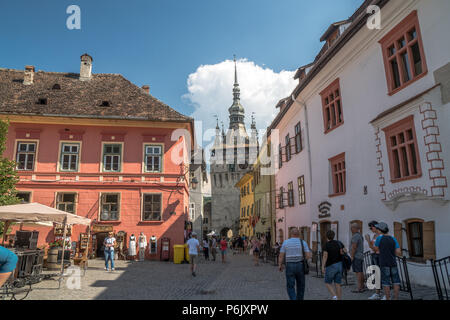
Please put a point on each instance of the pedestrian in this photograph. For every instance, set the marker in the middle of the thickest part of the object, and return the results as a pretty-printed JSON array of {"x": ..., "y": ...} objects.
[
  {"x": 332, "y": 265},
  {"x": 206, "y": 248},
  {"x": 109, "y": 244},
  {"x": 255, "y": 249},
  {"x": 292, "y": 251},
  {"x": 375, "y": 255},
  {"x": 245, "y": 245},
  {"x": 194, "y": 248},
  {"x": 142, "y": 245},
  {"x": 357, "y": 255},
  {"x": 223, "y": 248},
  {"x": 132, "y": 248},
  {"x": 8, "y": 262},
  {"x": 213, "y": 247},
  {"x": 388, "y": 248}
]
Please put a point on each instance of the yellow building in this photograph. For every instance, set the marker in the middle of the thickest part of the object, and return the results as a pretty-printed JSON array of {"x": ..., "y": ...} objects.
[{"x": 247, "y": 202}]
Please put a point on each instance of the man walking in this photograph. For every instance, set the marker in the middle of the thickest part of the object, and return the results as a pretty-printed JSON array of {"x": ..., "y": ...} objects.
[
  {"x": 213, "y": 247},
  {"x": 332, "y": 265},
  {"x": 194, "y": 248},
  {"x": 388, "y": 247},
  {"x": 292, "y": 250},
  {"x": 357, "y": 255}
]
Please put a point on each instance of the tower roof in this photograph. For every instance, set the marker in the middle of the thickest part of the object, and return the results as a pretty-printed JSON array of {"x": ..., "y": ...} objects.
[{"x": 237, "y": 112}]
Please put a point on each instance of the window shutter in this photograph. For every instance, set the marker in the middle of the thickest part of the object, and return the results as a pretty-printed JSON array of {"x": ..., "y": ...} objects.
[
  {"x": 398, "y": 234},
  {"x": 429, "y": 243}
]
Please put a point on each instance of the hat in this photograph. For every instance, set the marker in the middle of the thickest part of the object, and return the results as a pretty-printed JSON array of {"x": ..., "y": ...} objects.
[
  {"x": 193, "y": 234},
  {"x": 373, "y": 223},
  {"x": 383, "y": 227}
]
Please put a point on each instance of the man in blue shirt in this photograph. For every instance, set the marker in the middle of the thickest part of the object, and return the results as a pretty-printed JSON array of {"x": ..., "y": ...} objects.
[
  {"x": 388, "y": 248},
  {"x": 293, "y": 252},
  {"x": 8, "y": 262}
]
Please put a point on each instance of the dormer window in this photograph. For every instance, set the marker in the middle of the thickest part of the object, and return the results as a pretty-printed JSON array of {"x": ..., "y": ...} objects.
[
  {"x": 42, "y": 101},
  {"x": 56, "y": 86},
  {"x": 105, "y": 103}
]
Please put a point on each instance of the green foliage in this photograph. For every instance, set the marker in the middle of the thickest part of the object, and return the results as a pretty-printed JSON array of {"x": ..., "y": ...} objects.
[{"x": 8, "y": 174}]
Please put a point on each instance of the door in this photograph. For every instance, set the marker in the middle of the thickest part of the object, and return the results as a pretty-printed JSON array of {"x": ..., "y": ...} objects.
[{"x": 100, "y": 239}]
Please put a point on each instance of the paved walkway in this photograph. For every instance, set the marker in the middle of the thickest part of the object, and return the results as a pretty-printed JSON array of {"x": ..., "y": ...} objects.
[{"x": 238, "y": 279}]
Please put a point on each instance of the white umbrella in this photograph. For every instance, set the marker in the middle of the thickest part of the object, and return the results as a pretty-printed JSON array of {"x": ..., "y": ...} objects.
[{"x": 36, "y": 212}]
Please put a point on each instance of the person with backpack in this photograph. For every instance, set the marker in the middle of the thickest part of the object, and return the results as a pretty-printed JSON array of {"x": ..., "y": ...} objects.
[
  {"x": 332, "y": 265},
  {"x": 388, "y": 248}
]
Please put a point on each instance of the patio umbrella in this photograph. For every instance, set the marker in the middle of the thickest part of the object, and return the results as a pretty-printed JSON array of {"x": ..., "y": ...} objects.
[{"x": 36, "y": 212}]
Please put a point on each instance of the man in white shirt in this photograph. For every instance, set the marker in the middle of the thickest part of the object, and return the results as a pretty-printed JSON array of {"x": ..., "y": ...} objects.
[
  {"x": 109, "y": 244},
  {"x": 194, "y": 247}
]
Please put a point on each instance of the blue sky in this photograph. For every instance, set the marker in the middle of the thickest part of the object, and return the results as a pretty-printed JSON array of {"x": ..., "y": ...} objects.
[{"x": 162, "y": 42}]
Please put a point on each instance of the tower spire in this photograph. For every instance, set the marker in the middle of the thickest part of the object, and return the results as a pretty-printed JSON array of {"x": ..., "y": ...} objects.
[
  {"x": 235, "y": 71},
  {"x": 237, "y": 112}
]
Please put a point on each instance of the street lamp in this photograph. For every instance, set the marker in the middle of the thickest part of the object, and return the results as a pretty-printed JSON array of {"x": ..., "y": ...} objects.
[{"x": 194, "y": 183}]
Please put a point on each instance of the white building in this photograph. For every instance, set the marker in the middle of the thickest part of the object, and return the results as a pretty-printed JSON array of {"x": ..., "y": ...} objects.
[{"x": 374, "y": 113}]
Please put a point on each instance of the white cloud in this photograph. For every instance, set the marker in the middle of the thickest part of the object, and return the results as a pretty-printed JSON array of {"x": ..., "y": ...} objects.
[{"x": 210, "y": 92}]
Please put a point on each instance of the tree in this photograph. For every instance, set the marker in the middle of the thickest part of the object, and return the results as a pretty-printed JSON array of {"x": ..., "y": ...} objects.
[{"x": 8, "y": 174}]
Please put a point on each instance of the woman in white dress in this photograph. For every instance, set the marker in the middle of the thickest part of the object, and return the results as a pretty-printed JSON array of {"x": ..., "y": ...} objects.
[
  {"x": 142, "y": 246},
  {"x": 132, "y": 248}
]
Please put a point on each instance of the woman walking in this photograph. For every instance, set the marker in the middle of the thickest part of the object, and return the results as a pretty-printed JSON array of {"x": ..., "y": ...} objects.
[
  {"x": 132, "y": 248},
  {"x": 109, "y": 244},
  {"x": 206, "y": 248},
  {"x": 255, "y": 249},
  {"x": 223, "y": 248}
]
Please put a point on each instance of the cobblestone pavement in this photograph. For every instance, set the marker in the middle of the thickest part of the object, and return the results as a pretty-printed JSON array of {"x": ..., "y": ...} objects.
[{"x": 238, "y": 279}]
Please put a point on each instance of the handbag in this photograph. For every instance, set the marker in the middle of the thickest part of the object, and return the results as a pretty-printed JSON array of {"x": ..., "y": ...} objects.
[
  {"x": 346, "y": 260},
  {"x": 305, "y": 262}
]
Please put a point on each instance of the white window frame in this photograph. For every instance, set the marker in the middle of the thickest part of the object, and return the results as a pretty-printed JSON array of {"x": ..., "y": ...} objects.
[
  {"x": 70, "y": 153},
  {"x": 27, "y": 152},
  {"x": 153, "y": 155},
  {"x": 119, "y": 155}
]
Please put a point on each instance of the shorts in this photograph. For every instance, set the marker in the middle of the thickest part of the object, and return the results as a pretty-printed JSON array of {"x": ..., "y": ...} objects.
[
  {"x": 333, "y": 273},
  {"x": 8, "y": 261},
  {"x": 223, "y": 251},
  {"x": 357, "y": 265},
  {"x": 389, "y": 275},
  {"x": 192, "y": 258},
  {"x": 256, "y": 250}
]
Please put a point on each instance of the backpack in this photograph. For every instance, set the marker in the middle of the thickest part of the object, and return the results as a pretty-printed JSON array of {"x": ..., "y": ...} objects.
[{"x": 346, "y": 260}]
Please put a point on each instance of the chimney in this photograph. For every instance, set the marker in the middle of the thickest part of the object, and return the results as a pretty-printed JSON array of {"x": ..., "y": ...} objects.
[
  {"x": 28, "y": 75},
  {"x": 146, "y": 88},
  {"x": 86, "y": 67}
]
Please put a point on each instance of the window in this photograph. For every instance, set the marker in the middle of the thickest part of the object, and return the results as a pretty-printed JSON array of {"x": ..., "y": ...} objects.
[
  {"x": 215, "y": 180},
  {"x": 109, "y": 207},
  {"x": 220, "y": 179},
  {"x": 26, "y": 154},
  {"x": 25, "y": 197},
  {"x": 301, "y": 190},
  {"x": 416, "y": 239},
  {"x": 192, "y": 211},
  {"x": 153, "y": 157},
  {"x": 332, "y": 106},
  {"x": 281, "y": 202},
  {"x": 298, "y": 138},
  {"x": 69, "y": 156},
  {"x": 403, "y": 54},
  {"x": 280, "y": 156},
  {"x": 152, "y": 208},
  {"x": 290, "y": 194},
  {"x": 338, "y": 174},
  {"x": 111, "y": 157},
  {"x": 66, "y": 201},
  {"x": 402, "y": 150},
  {"x": 248, "y": 210},
  {"x": 288, "y": 148}
]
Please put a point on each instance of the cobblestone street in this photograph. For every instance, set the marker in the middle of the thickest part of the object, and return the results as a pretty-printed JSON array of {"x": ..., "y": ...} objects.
[{"x": 238, "y": 279}]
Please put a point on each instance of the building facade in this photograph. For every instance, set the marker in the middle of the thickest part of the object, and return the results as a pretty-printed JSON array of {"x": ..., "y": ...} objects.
[
  {"x": 373, "y": 110},
  {"x": 198, "y": 179},
  {"x": 246, "y": 186},
  {"x": 100, "y": 147},
  {"x": 232, "y": 155}
]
